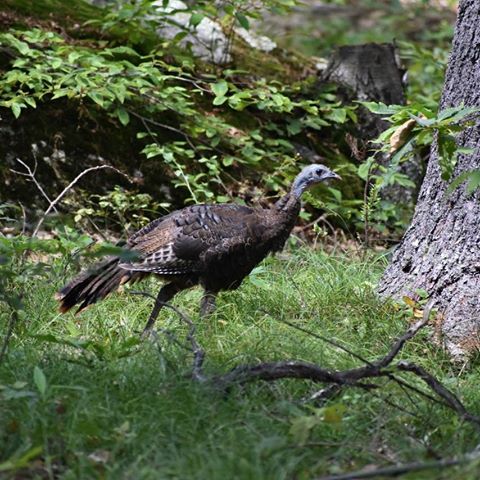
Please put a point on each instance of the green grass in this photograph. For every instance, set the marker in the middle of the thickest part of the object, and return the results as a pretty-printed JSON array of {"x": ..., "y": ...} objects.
[{"x": 115, "y": 408}]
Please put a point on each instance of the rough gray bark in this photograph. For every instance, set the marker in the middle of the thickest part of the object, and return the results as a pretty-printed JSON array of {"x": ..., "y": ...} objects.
[{"x": 440, "y": 252}]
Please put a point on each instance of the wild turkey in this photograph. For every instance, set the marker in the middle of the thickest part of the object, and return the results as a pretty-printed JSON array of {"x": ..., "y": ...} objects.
[{"x": 215, "y": 246}]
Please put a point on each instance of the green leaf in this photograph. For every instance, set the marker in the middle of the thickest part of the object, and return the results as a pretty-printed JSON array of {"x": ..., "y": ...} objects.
[
  {"x": 337, "y": 115},
  {"x": 123, "y": 116},
  {"x": 122, "y": 50},
  {"x": 380, "y": 108},
  {"x": 196, "y": 18},
  {"x": 72, "y": 57},
  {"x": 97, "y": 98},
  {"x": 40, "y": 380},
  {"x": 179, "y": 37},
  {"x": 454, "y": 114},
  {"x": 334, "y": 413},
  {"x": 22, "y": 47},
  {"x": 302, "y": 426},
  {"x": 30, "y": 101},
  {"x": 456, "y": 182},
  {"x": 364, "y": 168},
  {"x": 219, "y": 100},
  {"x": 294, "y": 127},
  {"x": 446, "y": 155},
  {"x": 16, "y": 109},
  {"x": 424, "y": 122},
  {"x": 238, "y": 101},
  {"x": 471, "y": 176},
  {"x": 243, "y": 20},
  {"x": 337, "y": 194},
  {"x": 473, "y": 181},
  {"x": 62, "y": 92},
  {"x": 229, "y": 9},
  {"x": 220, "y": 88}
]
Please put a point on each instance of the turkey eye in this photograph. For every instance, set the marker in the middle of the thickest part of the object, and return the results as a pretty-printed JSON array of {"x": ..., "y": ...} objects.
[{"x": 319, "y": 172}]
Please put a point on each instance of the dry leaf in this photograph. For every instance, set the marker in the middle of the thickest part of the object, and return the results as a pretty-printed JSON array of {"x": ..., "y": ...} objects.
[
  {"x": 409, "y": 301},
  {"x": 400, "y": 135},
  {"x": 417, "y": 313}
]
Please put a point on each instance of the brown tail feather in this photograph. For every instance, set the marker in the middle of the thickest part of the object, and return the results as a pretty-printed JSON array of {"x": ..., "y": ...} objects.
[{"x": 94, "y": 285}]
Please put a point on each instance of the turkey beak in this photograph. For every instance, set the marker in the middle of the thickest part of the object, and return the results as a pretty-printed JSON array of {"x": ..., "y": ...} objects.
[{"x": 333, "y": 175}]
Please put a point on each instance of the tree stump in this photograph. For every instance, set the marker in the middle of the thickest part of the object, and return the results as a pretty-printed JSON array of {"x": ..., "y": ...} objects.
[{"x": 372, "y": 72}]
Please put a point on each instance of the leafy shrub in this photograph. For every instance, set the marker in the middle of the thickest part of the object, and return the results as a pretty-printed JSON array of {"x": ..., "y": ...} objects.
[
  {"x": 119, "y": 210},
  {"x": 204, "y": 130}
]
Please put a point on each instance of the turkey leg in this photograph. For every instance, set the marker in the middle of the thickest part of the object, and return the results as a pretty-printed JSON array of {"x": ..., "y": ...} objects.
[
  {"x": 166, "y": 293},
  {"x": 207, "y": 305}
]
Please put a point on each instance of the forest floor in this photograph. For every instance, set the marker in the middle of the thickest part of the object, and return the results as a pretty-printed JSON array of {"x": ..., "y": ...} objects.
[{"x": 82, "y": 397}]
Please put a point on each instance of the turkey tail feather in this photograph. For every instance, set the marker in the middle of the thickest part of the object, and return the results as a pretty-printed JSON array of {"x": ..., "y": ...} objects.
[{"x": 93, "y": 285}]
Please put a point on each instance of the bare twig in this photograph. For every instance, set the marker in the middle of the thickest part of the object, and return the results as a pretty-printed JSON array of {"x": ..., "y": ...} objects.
[
  {"x": 410, "y": 333},
  {"x": 31, "y": 174},
  {"x": 69, "y": 186},
  {"x": 327, "y": 340},
  {"x": 366, "y": 210},
  {"x": 24, "y": 219},
  {"x": 198, "y": 352},
  {"x": 146, "y": 120},
  {"x": 320, "y": 218},
  {"x": 192, "y": 81},
  {"x": 448, "y": 397},
  {"x": 394, "y": 405}
]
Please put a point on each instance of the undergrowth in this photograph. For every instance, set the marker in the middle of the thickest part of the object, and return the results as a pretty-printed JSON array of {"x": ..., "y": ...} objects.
[{"x": 82, "y": 397}]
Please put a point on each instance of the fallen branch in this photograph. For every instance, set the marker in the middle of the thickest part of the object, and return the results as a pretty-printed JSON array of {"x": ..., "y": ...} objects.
[
  {"x": 355, "y": 377},
  {"x": 396, "y": 470},
  {"x": 336, "y": 379}
]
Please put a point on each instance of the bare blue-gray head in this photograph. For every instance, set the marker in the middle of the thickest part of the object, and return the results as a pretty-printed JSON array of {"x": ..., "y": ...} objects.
[{"x": 311, "y": 175}]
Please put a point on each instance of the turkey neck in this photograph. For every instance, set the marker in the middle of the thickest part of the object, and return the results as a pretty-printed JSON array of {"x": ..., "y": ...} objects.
[{"x": 289, "y": 207}]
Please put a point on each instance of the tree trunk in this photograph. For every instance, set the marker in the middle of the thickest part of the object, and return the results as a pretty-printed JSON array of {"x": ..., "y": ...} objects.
[{"x": 440, "y": 252}]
